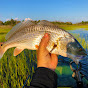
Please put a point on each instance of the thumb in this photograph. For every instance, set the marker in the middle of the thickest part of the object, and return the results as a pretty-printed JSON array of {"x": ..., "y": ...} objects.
[
  {"x": 54, "y": 60},
  {"x": 44, "y": 42}
]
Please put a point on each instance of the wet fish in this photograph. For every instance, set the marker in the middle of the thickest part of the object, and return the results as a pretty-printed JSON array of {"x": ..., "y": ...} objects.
[{"x": 27, "y": 35}]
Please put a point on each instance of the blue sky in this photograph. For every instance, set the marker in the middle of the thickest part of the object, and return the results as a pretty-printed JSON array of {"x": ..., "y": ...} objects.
[{"x": 52, "y": 10}]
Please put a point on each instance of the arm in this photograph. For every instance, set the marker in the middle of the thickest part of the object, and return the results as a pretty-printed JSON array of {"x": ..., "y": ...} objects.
[{"x": 44, "y": 76}]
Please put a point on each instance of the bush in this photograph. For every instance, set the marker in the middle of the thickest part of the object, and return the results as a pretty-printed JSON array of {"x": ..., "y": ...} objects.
[
  {"x": 1, "y": 23},
  {"x": 11, "y": 22}
]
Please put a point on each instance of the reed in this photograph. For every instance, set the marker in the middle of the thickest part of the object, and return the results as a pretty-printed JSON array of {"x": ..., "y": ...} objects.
[{"x": 15, "y": 70}]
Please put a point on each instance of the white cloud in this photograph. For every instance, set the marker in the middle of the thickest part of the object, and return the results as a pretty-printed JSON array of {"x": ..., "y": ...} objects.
[
  {"x": 16, "y": 19},
  {"x": 27, "y": 19},
  {"x": 7, "y": 19}
]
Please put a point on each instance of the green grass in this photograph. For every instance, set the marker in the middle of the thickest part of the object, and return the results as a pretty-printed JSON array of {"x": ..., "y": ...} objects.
[
  {"x": 63, "y": 70},
  {"x": 5, "y": 29},
  {"x": 14, "y": 70},
  {"x": 82, "y": 41},
  {"x": 73, "y": 27},
  {"x": 2, "y": 37}
]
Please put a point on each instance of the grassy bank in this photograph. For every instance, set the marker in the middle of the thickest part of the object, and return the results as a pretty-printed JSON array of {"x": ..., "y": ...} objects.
[
  {"x": 5, "y": 28},
  {"x": 73, "y": 27}
]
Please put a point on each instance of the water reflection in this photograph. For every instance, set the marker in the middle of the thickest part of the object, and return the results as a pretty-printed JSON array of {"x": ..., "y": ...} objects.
[{"x": 83, "y": 33}]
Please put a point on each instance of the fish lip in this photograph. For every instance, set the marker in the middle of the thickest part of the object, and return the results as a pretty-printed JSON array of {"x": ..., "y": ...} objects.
[{"x": 80, "y": 57}]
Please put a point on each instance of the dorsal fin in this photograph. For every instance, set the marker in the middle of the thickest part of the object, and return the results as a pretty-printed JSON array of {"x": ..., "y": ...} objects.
[
  {"x": 18, "y": 27},
  {"x": 45, "y": 23}
]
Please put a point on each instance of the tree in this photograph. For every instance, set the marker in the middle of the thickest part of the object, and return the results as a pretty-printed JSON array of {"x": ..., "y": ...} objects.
[
  {"x": 68, "y": 23},
  {"x": 18, "y": 22},
  {"x": 11, "y": 22},
  {"x": 1, "y": 23}
]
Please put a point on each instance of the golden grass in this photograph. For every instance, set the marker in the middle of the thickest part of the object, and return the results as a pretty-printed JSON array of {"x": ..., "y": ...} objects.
[
  {"x": 73, "y": 27},
  {"x": 5, "y": 28}
]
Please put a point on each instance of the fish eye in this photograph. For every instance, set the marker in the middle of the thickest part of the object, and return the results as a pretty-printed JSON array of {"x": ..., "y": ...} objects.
[
  {"x": 1, "y": 44},
  {"x": 55, "y": 45}
]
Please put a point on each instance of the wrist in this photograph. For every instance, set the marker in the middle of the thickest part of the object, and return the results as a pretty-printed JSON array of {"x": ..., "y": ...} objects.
[{"x": 42, "y": 66}]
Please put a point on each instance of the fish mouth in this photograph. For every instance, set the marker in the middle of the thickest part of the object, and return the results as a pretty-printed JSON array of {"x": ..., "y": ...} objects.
[
  {"x": 76, "y": 58},
  {"x": 76, "y": 49},
  {"x": 80, "y": 57}
]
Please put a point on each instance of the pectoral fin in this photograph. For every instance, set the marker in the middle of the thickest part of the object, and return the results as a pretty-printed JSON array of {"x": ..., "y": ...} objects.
[
  {"x": 36, "y": 46},
  {"x": 17, "y": 51}
]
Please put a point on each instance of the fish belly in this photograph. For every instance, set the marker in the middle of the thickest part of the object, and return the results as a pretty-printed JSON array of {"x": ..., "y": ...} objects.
[
  {"x": 31, "y": 41},
  {"x": 35, "y": 39}
]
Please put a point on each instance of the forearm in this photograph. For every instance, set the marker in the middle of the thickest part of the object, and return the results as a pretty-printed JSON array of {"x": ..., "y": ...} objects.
[{"x": 44, "y": 78}]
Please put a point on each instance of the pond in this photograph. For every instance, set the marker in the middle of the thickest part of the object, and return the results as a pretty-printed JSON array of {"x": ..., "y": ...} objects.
[
  {"x": 82, "y": 36},
  {"x": 83, "y": 33},
  {"x": 63, "y": 69}
]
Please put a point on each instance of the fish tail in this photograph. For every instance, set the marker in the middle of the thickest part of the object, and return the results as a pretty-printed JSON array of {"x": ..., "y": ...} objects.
[{"x": 1, "y": 50}]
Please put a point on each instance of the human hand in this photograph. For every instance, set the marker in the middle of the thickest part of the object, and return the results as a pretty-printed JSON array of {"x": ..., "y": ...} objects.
[{"x": 44, "y": 58}]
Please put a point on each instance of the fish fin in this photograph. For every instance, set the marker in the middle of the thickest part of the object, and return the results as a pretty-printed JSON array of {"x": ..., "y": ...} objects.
[
  {"x": 2, "y": 51},
  {"x": 17, "y": 51},
  {"x": 37, "y": 46},
  {"x": 45, "y": 23},
  {"x": 18, "y": 27}
]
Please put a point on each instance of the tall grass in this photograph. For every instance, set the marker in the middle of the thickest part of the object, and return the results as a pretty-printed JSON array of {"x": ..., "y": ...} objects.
[
  {"x": 5, "y": 29},
  {"x": 81, "y": 40},
  {"x": 73, "y": 27},
  {"x": 15, "y": 70}
]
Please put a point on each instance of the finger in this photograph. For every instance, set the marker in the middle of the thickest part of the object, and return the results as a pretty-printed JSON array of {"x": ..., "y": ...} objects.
[
  {"x": 54, "y": 59},
  {"x": 44, "y": 42}
]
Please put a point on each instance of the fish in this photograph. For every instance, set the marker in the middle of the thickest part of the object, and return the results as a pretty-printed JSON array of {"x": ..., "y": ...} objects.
[{"x": 28, "y": 34}]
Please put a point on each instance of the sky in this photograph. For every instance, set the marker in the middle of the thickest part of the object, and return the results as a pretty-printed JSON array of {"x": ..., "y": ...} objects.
[{"x": 52, "y": 10}]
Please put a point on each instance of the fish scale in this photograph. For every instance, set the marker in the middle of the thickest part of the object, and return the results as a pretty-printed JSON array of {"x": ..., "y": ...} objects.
[{"x": 28, "y": 34}]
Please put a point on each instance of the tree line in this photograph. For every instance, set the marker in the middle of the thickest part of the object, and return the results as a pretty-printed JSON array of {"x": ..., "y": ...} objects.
[
  {"x": 83, "y": 22},
  {"x": 10, "y": 22},
  {"x": 61, "y": 23},
  {"x": 14, "y": 22}
]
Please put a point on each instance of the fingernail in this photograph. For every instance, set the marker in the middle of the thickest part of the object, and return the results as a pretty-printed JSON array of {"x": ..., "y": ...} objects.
[{"x": 46, "y": 35}]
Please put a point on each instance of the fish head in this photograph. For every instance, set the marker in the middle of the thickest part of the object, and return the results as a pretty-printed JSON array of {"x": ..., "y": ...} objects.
[
  {"x": 75, "y": 51},
  {"x": 75, "y": 48},
  {"x": 71, "y": 48}
]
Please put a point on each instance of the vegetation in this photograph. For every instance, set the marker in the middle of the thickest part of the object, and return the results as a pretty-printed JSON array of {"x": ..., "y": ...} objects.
[
  {"x": 15, "y": 70},
  {"x": 63, "y": 25},
  {"x": 73, "y": 27},
  {"x": 83, "y": 22},
  {"x": 10, "y": 22},
  {"x": 70, "y": 26},
  {"x": 1, "y": 23}
]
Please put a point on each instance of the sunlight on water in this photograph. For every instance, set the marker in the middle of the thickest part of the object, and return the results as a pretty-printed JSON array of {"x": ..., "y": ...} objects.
[{"x": 82, "y": 36}]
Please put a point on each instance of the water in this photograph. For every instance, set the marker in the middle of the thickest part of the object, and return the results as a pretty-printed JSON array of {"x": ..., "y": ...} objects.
[
  {"x": 83, "y": 33},
  {"x": 63, "y": 69}
]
